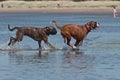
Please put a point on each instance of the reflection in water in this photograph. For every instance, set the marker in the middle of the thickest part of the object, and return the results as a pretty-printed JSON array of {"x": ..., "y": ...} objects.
[
  {"x": 55, "y": 65},
  {"x": 69, "y": 55},
  {"x": 27, "y": 56},
  {"x": 78, "y": 60},
  {"x": 58, "y": 60}
]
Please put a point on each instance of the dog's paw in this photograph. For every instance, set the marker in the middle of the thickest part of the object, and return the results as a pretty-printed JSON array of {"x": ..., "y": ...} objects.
[
  {"x": 54, "y": 48},
  {"x": 74, "y": 47}
]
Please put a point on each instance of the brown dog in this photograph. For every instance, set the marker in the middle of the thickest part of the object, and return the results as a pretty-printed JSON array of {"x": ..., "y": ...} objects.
[
  {"x": 38, "y": 34},
  {"x": 78, "y": 32}
]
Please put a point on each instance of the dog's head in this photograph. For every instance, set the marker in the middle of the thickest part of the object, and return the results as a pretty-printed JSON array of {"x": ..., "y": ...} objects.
[
  {"x": 93, "y": 25},
  {"x": 50, "y": 30}
]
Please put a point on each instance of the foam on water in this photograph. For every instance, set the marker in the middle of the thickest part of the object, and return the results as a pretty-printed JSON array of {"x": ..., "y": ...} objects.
[
  {"x": 20, "y": 47},
  {"x": 5, "y": 47}
]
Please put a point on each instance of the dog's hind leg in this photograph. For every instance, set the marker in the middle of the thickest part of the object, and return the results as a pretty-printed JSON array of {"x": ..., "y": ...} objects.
[
  {"x": 12, "y": 41},
  {"x": 19, "y": 37}
]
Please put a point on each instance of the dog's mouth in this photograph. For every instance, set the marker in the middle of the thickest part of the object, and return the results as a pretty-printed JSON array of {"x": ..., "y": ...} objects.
[{"x": 97, "y": 27}]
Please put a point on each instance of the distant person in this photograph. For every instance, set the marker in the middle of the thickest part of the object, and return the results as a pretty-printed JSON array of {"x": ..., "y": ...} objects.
[
  {"x": 58, "y": 5},
  {"x": 2, "y": 6},
  {"x": 114, "y": 12}
]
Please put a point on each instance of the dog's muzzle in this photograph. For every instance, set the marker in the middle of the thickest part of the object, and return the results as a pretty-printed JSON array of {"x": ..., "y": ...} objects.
[
  {"x": 96, "y": 26},
  {"x": 53, "y": 31}
]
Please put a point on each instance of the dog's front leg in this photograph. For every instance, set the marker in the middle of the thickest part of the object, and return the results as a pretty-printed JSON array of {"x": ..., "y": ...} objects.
[
  {"x": 68, "y": 43},
  {"x": 46, "y": 41},
  {"x": 39, "y": 43},
  {"x": 51, "y": 45},
  {"x": 12, "y": 41},
  {"x": 80, "y": 44}
]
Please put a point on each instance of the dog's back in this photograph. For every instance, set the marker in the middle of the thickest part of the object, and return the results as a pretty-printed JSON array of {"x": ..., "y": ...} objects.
[{"x": 73, "y": 30}]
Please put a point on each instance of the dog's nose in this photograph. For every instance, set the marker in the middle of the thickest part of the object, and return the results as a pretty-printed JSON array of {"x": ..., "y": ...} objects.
[{"x": 54, "y": 31}]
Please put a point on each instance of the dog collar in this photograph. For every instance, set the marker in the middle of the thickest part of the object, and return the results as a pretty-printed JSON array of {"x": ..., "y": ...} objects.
[{"x": 88, "y": 28}]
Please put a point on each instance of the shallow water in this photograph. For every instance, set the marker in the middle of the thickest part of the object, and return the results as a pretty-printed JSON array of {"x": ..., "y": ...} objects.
[{"x": 97, "y": 59}]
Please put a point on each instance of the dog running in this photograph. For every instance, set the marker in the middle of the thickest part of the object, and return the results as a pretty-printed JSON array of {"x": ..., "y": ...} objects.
[
  {"x": 78, "y": 32},
  {"x": 37, "y": 34}
]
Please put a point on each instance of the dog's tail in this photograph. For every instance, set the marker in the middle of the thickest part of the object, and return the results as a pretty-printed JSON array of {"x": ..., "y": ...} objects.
[
  {"x": 57, "y": 24},
  {"x": 11, "y": 29}
]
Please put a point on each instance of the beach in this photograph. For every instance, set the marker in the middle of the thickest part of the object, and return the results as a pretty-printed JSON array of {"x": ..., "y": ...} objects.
[
  {"x": 97, "y": 59},
  {"x": 59, "y": 6},
  {"x": 61, "y": 10}
]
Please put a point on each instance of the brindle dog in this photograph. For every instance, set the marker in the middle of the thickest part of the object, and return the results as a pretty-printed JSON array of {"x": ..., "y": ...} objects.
[
  {"x": 38, "y": 34},
  {"x": 78, "y": 32}
]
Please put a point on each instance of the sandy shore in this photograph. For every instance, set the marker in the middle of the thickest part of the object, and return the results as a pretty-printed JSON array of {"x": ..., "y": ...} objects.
[
  {"x": 60, "y": 10},
  {"x": 52, "y": 6}
]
